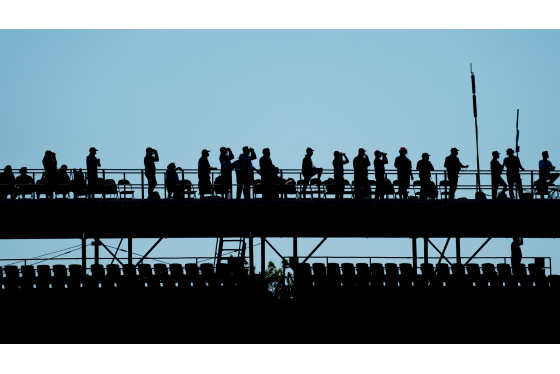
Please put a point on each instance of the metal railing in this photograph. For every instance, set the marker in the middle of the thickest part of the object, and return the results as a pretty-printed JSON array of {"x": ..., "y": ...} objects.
[{"x": 288, "y": 185}]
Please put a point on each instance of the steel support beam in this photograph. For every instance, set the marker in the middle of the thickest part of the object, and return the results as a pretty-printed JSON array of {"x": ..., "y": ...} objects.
[
  {"x": 130, "y": 251},
  {"x": 274, "y": 249},
  {"x": 441, "y": 253},
  {"x": 478, "y": 250},
  {"x": 149, "y": 251},
  {"x": 458, "y": 249},
  {"x": 426, "y": 250},
  {"x": 251, "y": 258},
  {"x": 263, "y": 260},
  {"x": 414, "y": 254},
  {"x": 96, "y": 242},
  {"x": 84, "y": 254},
  {"x": 314, "y": 250},
  {"x": 108, "y": 250}
]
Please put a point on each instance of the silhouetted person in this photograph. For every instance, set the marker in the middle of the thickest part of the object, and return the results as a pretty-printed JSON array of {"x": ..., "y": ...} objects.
[
  {"x": 496, "y": 169},
  {"x": 50, "y": 166},
  {"x": 226, "y": 155},
  {"x": 92, "y": 163},
  {"x": 513, "y": 177},
  {"x": 269, "y": 175},
  {"x": 361, "y": 182},
  {"x": 172, "y": 182},
  {"x": 309, "y": 170},
  {"x": 7, "y": 183},
  {"x": 453, "y": 166},
  {"x": 23, "y": 183},
  {"x": 244, "y": 169},
  {"x": 404, "y": 172},
  {"x": 78, "y": 184},
  {"x": 379, "y": 165},
  {"x": 339, "y": 161},
  {"x": 204, "y": 184},
  {"x": 546, "y": 178},
  {"x": 425, "y": 168},
  {"x": 516, "y": 254},
  {"x": 63, "y": 181},
  {"x": 150, "y": 169}
]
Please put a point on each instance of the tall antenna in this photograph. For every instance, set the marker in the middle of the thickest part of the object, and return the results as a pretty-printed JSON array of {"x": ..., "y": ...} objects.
[
  {"x": 517, "y": 134},
  {"x": 478, "y": 189}
]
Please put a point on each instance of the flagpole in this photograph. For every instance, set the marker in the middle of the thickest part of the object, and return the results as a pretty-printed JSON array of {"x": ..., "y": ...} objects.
[{"x": 478, "y": 189}]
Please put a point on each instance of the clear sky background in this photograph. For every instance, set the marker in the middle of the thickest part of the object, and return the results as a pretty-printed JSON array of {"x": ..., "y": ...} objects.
[{"x": 180, "y": 91}]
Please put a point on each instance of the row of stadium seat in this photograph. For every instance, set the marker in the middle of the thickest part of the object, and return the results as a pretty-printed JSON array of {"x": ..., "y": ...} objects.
[
  {"x": 361, "y": 275},
  {"x": 127, "y": 276}
]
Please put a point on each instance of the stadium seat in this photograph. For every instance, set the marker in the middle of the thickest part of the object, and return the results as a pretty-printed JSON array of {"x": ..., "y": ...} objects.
[
  {"x": 348, "y": 275},
  {"x": 147, "y": 276},
  {"x": 391, "y": 275},
  {"x": 162, "y": 275},
  {"x": 407, "y": 275},
  {"x": 207, "y": 274},
  {"x": 505, "y": 275},
  {"x": 113, "y": 277},
  {"x": 520, "y": 273},
  {"x": 538, "y": 275},
  {"x": 319, "y": 274},
  {"x": 490, "y": 275},
  {"x": 377, "y": 275},
  {"x": 475, "y": 277},
  {"x": 443, "y": 276},
  {"x": 97, "y": 276},
  {"x": 362, "y": 275},
  {"x": 223, "y": 275},
  {"x": 193, "y": 277},
  {"x": 60, "y": 276},
  {"x": 43, "y": 276},
  {"x": 458, "y": 276},
  {"x": 130, "y": 277},
  {"x": 302, "y": 276},
  {"x": 12, "y": 281},
  {"x": 428, "y": 277},
  {"x": 28, "y": 278},
  {"x": 177, "y": 276},
  {"x": 76, "y": 276},
  {"x": 333, "y": 275}
]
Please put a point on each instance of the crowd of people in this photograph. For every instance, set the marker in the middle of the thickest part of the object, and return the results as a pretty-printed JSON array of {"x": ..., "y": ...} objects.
[{"x": 271, "y": 181}]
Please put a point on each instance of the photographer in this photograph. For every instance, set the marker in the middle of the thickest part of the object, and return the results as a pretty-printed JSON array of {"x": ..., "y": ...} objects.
[
  {"x": 149, "y": 163},
  {"x": 244, "y": 170},
  {"x": 379, "y": 165},
  {"x": 361, "y": 182},
  {"x": 404, "y": 172},
  {"x": 339, "y": 161},
  {"x": 226, "y": 155}
]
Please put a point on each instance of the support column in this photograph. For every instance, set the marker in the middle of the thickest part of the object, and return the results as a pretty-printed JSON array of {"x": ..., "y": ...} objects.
[
  {"x": 414, "y": 254},
  {"x": 458, "y": 248},
  {"x": 84, "y": 254},
  {"x": 96, "y": 246},
  {"x": 130, "y": 251},
  {"x": 263, "y": 260},
  {"x": 251, "y": 258},
  {"x": 295, "y": 246},
  {"x": 426, "y": 250}
]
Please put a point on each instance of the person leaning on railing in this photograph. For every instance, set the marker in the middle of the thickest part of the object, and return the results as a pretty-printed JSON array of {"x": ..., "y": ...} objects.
[
  {"x": 150, "y": 169},
  {"x": 7, "y": 183},
  {"x": 453, "y": 166}
]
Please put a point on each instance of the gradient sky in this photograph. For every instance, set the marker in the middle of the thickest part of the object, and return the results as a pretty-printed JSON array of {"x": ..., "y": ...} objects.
[{"x": 184, "y": 90}]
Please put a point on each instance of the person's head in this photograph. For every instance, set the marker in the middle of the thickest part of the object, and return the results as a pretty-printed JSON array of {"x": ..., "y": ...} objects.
[
  {"x": 454, "y": 151},
  {"x": 361, "y": 152},
  {"x": 171, "y": 166},
  {"x": 205, "y": 153},
  {"x": 266, "y": 152},
  {"x": 92, "y": 151},
  {"x": 48, "y": 153},
  {"x": 425, "y": 156},
  {"x": 309, "y": 151},
  {"x": 64, "y": 167},
  {"x": 223, "y": 150},
  {"x": 496, "y": 154},
  {"x": 403, "y": 151},
  {"x": 377, "y": 153},
  {"x": 149, "y": 151},
  {"x": 545, "y": 155},
  {"x": 336, "y": 154},
  {"x": 23, "y": 170},
  {"x": 8, "y": 168},
  {"x": 246, "y": 150},
  {"x": 509, "y": 152}
]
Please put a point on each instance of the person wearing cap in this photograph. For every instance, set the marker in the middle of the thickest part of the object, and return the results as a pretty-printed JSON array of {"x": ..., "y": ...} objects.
[
  {"x": 7, "y": 182},
  {"x": 513, "y": 166},
  {"x": 50, "y": 166},
  {"x": 361, "y": 183},
  {"x": 425, "y": 168},
  {"x": 453, "y": 166},
  {"x": 150, "y": 160},
  {"x": 379, "y": 165},
  {"x": 226, "y": 155},
  {"x": 339, "y": 161},
  {"x": 92, "y": 163},
  {"x": 23, "y": 181},
  {"x": 172, "y": 181},
  {"x": 204, "y": 184},
  {"x": 496, "y": 169},
  {"x": 309, "y": 170},
  {"x": 404, "y": 172},
  {"x": 269, "y": 175},
  {"x": 546, "y": 178},
  {"x": 244, "y": 171}
]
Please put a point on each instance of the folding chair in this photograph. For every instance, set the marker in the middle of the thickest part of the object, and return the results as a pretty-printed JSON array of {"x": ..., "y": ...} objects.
[{"x": 125, "y": 189}]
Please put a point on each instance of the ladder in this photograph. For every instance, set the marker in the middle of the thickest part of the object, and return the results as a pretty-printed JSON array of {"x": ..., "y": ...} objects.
[{"x": 229, "y": 246}]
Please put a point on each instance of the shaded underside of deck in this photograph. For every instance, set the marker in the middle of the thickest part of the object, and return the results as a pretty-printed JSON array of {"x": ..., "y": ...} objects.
[{"x": 118, "y": 218}]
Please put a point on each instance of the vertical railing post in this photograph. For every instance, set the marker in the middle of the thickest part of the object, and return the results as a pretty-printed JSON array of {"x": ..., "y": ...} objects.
[
  {"x": 425, "y": 250},
  {"x": 263, "y": 260},
  {"x": 84, "y": 254},
  {"x": 414, "y": 254},
  {"x": 251, "y": 257},
  {"x": 130, "y": 251},
  {"x": 532, "y": 184},
  {"x": 96, "y": 255},
  {"x": 142, "y": 181},
  {"x": 458, "y": 249}
]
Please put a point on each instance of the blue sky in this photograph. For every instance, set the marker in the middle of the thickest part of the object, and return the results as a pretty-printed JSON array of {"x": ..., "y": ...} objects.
[{"x": 184, "y": 90}]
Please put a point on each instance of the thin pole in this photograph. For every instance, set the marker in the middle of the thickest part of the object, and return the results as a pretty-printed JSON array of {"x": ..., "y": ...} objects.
[
  {"x": 414, "y": 254},
  {"x": 96, "y": 246},
  {"x": 425, "y": 250},
  {"x": 458, "y": 249},
  {"x": 84, "y": 254},
  {"x": 130, "y": 251},
  {"x": 476, "y": 131},
  {"x": 251, "y": 258},
  {"x": 263, "y": 262}
]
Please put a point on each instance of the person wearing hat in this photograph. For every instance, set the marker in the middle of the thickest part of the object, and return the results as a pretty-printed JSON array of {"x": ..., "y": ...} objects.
[
  {"x": 453, "y": 166},
  {"x": 204, "y": 184},
  {"x": 226, "y": 155},
  {"x": 338, "y": 163},
  {"x": 379, "y": 166},
  {"x": 7, "y": 182},
  {"x": 546, "y": 178},
  {"x": 361, "y": 183},
  {"x": 269, "y": 175},
  {"x": 172, "y": 181},
  {"x": 244, "y": 171},
  {"x": 513, "y": 166},
  {"x": 309, "y": 170},
  {"x": 425, "y": 168},
  {"x": 404, "y": 172},
  {"x": 496, "y": 169},
  {"x": 150, "y": 160},
  {"x": 92, "y": 163},
  {"x": 23, "y": 181}
]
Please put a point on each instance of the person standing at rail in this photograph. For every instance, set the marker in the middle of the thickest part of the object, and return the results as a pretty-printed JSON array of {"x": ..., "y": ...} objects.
[
  {"x": 361, "y": 183},
  {"x": 516, "y": 254},
  {"x": 496, "y": 169},
  {"x": 425, "y": 168},
  {"x": 244, "y": 170},
  {"x": 339, "y": 161},
  {"x": 7, "y": 183},
  {"x": 150, "y": 169},
  {"x": 379, "y": 164},
  {"x": 404, "y": 172},
  {"x": 546, "y": 178},
  {"x": 513, "y": 166},
  {"x": 172, "y": 182},
  {"x": 226, "y": 155},
  {"x": 453, "y": 166},
  {"x": 204, "y": 184},
  {"x": 92, "y": 163},
  {"x": 309, "y": 170},
  {"x": 269, "y": 175},
  {"x": 50, "y": 166}
]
